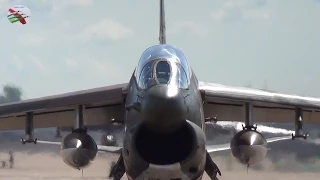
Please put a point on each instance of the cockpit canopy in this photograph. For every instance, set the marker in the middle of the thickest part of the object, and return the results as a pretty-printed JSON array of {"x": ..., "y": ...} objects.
[{"x": 162, "y": 64}]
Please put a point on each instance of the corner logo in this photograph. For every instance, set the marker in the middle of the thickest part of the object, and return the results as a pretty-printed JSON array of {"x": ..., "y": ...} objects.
[{"x": 19, "y": 14}]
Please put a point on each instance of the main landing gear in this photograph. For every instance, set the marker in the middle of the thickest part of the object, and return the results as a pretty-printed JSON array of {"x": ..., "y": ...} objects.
[
  {"x": 118, "y": 169},
  {"x": 211, "y": 168}
]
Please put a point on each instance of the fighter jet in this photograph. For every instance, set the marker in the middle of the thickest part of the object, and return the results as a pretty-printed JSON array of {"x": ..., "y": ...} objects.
[{"x": 164, "y": 108}]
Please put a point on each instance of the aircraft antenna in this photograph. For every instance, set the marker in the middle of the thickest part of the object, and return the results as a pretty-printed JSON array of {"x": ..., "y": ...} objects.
[{"x": 162, "y": 31}]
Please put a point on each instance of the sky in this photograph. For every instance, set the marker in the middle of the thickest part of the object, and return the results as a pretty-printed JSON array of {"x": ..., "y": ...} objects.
[{"x": 71, "y": 45}]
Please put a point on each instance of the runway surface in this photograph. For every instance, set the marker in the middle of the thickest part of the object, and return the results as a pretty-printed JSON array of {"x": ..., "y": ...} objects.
[
  {"x": 49, "y": 166},
  {"x": 43, "y": 162}
]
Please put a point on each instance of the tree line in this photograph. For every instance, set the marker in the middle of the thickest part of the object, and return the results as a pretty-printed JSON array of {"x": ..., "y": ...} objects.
[{"x": 10, "y": 93}]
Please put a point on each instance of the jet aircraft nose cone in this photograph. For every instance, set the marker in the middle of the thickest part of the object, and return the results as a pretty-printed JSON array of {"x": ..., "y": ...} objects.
[{"x": 163, "y": 108}]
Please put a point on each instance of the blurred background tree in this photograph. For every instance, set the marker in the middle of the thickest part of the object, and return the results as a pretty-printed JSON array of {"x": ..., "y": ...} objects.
[{"x": 11, "y": 93}]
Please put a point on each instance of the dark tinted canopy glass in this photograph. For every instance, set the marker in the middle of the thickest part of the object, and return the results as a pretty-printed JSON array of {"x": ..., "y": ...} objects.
[
  {"x": 146, "y": 77},
  {"x": 163, "y": 64},
  {"x": 163, "y": 72}
]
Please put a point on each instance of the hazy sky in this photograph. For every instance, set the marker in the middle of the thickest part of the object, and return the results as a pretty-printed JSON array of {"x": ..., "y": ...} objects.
[{"x": 72, "y": 45}]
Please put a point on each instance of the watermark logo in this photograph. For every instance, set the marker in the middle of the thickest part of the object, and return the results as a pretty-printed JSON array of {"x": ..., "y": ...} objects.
[{"x": 19, "y": 14}]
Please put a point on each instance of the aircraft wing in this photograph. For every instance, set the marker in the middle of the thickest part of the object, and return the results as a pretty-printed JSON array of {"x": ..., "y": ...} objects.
[
  {"x": 223, "y": 147},
  {"x": 228, "y": 104},
  {"x": 101, "y": 105},
  {"x": 111, "y": 149},
  {"x": 101, "y": 148},
  {"x": 210, "y": 148}
]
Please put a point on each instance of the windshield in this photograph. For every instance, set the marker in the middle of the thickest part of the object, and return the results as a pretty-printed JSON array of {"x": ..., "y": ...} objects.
[
  {"x": 146, "y": 78},
  {"x": 170, "y": 56},
  {"x": 163, "y": 72}
]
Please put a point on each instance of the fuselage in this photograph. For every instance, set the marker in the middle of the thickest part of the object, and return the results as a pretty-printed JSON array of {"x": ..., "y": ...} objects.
[{"x": 164, "y": 129}]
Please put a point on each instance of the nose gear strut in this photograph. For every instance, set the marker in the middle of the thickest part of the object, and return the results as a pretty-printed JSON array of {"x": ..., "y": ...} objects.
[
  {"x": 211, "y": 168},
  {"x": 118, "y": 170}
]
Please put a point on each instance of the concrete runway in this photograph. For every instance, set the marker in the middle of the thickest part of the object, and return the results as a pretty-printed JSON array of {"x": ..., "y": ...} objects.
[
  {"x": 49, "y": 166},
  {"x": 43, "y": 162}
]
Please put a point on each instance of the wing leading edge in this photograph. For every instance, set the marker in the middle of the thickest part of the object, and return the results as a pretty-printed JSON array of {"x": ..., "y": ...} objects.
[
  {"x": 210, "y": 148},
  {"x": 101, "y": 105},
  {"x": 228, "y": 104}
]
